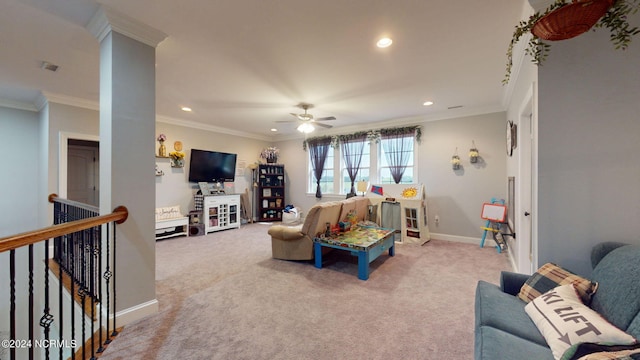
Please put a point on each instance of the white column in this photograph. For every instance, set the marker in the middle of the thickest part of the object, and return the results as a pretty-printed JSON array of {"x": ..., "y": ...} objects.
[{"x": 127, "y": 147}]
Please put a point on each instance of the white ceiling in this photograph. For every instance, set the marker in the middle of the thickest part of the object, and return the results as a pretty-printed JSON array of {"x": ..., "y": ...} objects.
[{"x": 243, "y": 65}]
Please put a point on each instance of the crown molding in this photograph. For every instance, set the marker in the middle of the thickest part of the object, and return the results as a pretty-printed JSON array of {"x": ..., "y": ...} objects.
[
  {"x": 518, "y": 56},
  {"x": 399, "y": 122},
  {"x": 18, "y": 105},
  {"x": 106, "y": 20},
  {"x": 207, "y": 127},
  {"x": 48, "y": 97}
]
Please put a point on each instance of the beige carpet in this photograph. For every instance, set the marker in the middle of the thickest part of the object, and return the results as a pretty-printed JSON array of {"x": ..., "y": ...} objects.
[{"x": 222, "y": 296}]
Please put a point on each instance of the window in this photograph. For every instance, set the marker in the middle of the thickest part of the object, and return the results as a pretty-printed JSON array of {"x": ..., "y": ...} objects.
[
  {"x": 326, "y": 182},
  {"x": 392, "y": 154},
  {"x": 363, "y": 172},
  {"x": 400, "y": 151}
]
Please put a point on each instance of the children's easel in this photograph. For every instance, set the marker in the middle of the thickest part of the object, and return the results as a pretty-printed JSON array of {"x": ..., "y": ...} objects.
[{"x": 495, "y": 213}]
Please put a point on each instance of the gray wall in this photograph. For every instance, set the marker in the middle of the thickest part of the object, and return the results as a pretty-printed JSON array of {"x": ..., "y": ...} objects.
[
  {"x": 173, "y": 188},
  {"x": 19, "y": 183},
  {"x": 589, "y": 172},
  {"x": 456, "y": 196}
]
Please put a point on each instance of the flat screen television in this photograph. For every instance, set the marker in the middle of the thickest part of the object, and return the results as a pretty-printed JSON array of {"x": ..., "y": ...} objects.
[{"x": 212, "y": 166}]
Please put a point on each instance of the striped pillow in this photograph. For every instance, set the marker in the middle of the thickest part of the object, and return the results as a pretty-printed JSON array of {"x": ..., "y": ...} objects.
[{"x": 550, "y": 276}]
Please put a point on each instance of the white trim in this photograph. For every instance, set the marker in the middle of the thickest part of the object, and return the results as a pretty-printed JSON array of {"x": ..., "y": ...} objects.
[
  {"x": 106, "y": 20},
  {"x": 137, "y": 312},
  {"x": 207, "y": 127},
  {"x": 49, "y": 97},
  {"x": 63, "y": 139},
  {"x": 463, "y": 239},
  {"x": 17, "y": 105}
]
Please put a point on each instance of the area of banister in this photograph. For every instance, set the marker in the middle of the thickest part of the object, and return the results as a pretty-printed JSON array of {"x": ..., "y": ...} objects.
[{"x": 119, "y": 215}]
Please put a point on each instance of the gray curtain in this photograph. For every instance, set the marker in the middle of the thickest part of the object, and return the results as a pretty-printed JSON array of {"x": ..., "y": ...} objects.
[
  {"x": 318, "y": 150},
  {"x": 352, "y": 150},
  {"x": 396, "y": 150}
]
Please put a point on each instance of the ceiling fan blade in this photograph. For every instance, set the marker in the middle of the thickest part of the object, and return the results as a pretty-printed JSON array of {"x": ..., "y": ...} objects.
[
  {"x": 326, "y": 118},
  {"x": 324, "y": 125},
  {"x": 285, "y": 121}
]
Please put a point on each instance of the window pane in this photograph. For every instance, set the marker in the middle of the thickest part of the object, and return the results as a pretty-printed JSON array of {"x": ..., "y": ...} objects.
[
  {"x": 326, "y": 182},
  {"x": 363, "y": 172},
  {"x": 385, "y": 171}
]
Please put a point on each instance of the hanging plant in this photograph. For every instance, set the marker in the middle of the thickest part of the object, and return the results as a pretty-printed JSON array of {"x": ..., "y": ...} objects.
[{"x": 565, "y": 19}]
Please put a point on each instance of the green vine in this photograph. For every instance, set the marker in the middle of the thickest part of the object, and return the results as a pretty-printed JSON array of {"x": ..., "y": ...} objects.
[
  {"x": 371, "y": 135},
  {"x": 615, "y": 20}
]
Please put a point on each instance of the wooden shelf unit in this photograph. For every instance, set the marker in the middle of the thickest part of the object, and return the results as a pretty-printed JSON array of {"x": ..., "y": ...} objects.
[{"x": 271, "y": 187}]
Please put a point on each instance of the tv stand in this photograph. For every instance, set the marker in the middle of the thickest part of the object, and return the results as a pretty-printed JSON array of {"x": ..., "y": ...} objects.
[{"x": 221, "y": 212}]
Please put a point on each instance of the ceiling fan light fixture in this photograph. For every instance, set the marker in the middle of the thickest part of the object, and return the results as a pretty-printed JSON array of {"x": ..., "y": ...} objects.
[
  {"x": 384, "y": 42},
  {"x": 306, "y": 128}
]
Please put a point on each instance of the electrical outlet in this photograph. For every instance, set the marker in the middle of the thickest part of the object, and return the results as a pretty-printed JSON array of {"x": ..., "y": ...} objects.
[{"x": 437, "y": 218}]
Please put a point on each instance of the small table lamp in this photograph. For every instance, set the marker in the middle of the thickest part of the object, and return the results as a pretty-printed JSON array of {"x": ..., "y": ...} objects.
[{"x": 361, "y": 186}]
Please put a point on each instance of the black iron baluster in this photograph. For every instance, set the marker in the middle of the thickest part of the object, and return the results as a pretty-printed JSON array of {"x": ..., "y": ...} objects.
[
  {"x": 12, "y": 300},
  {"x": 60, "y": 303},
  {"x": 31, "y": 307},
  {"x": 107, "y": 277},
  {"x": 115, "y": 310},
  {"x": 47, "y": 318},
  {"x": 99, "y": 281}
]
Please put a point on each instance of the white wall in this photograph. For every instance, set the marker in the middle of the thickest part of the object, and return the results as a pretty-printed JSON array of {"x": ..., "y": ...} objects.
[
  {"x": 455, "y": 196},
  {"x": 589, "y": 174}
]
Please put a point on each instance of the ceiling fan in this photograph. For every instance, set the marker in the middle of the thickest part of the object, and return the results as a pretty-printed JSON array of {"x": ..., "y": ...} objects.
[{"x": 307, "y": 121}]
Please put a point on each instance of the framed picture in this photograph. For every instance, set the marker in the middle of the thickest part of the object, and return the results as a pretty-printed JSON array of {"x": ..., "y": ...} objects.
[
  {"x": 204, "y": 188},
  {"x": 266, "y": 192}
]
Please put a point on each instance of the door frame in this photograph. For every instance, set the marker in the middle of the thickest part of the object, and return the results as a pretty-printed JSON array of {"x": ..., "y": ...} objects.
[
  {"x": 527, "y": 182},
  {"x": 63, "y": 150}
]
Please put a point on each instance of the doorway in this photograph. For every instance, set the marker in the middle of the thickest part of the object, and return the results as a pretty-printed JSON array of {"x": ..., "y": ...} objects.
[
  {"x": 78, "y": 172},
  {"x": 525, "y": 213},
  {"x": 83, "y": 166}
]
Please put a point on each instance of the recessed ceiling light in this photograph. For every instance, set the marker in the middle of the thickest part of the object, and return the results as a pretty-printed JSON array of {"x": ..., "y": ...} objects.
[
  {"x": 186, "y": 109},
  {"x": 428, "y": 103},
  {"x": 384, "y": 42},
  {"x": 274, "y": 129}
]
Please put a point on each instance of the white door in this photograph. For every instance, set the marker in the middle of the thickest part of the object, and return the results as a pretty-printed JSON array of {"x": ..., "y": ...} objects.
[
  {"x": 82, "y": 174},
  {"x": 524, "y": 212}
]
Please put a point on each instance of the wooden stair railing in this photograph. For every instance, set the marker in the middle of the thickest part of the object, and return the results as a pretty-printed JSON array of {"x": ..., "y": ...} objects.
[{"x": 72, "y": 233}]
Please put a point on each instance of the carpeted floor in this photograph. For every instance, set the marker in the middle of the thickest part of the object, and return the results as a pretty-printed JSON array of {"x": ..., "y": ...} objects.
[{"x": 222, "y": 296}]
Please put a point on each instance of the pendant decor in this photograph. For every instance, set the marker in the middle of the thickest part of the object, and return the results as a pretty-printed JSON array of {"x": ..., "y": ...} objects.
[
  {"x": 571, "y": 20},
  {"x": 565, "y": 19}
]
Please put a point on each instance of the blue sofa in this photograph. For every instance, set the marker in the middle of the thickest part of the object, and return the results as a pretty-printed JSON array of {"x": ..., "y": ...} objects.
[{"x": 503, "y": 330}]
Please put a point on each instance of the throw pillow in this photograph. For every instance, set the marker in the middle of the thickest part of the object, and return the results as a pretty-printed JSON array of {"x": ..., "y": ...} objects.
[
  {"x": 564, "y": 321},
  {"x": 549, "y": 276},
  {"x": 594, "y": 351}
]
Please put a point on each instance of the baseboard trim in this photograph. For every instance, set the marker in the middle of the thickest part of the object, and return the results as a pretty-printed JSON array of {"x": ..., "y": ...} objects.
[
  {"x": 137, "y": 312},
  {"x": 463, "y": 239}
]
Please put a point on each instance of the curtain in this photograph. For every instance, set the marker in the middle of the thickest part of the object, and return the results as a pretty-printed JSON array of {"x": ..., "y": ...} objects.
[
  {"x": 318, "y": 150},
  {"x": 397, "y": 148},
  {"x": 352, "y": 150}
]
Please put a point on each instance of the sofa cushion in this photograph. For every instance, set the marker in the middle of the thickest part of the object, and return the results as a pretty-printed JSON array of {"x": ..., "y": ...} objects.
[
  {"x": 618, "y": 296},
  {"x": 505, "y": 312},
  {"x": 319, "y": 215},
  {"x": 564, "y": 320},
  {"x": 549, "y": 276},
  {"x": 496, "y": 344}
]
